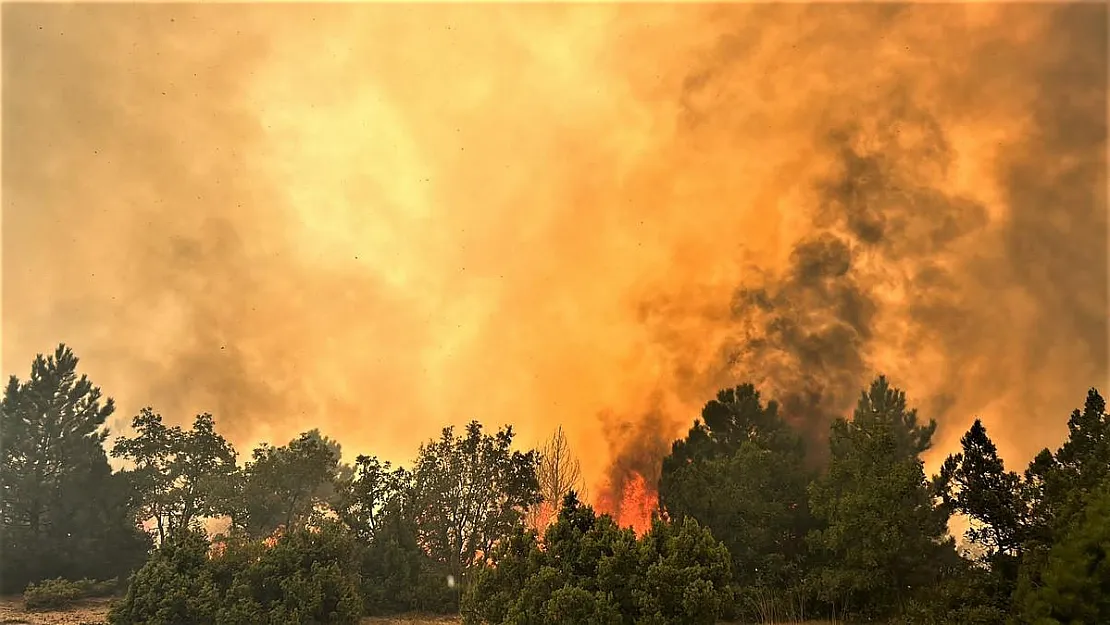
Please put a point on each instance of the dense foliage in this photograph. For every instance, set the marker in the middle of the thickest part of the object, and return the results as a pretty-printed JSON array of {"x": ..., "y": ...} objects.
[
  {"x": 588, "y": 570},
  {"x": 754, "y": 523},
  {"x": 304, "y": 576},
  {"x": 741, "y": 471},
  {"x": 64, "y": 512}
]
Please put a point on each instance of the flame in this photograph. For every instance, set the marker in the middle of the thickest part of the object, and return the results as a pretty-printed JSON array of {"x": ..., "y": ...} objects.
[
  {"x": 630, "y": 502},
  {"x": 273, "y": 538}
]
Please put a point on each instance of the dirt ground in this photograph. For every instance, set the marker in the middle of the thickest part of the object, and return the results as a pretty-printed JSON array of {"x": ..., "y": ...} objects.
[
  {"x": 95, "y": 612},
  {"x": 89, "y": 612}
]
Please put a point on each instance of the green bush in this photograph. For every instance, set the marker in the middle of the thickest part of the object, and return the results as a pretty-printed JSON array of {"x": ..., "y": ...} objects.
[
  {"x": 306, "y": 576},
  {"x": 588, "y": 570},
  {"x": 174, "y": 586},
  {"x": 574, "y": 604},
  {"x": 965, "y": 595},
  {"x": 398, "y": 576},
  {"x": 57, "y": 593}
]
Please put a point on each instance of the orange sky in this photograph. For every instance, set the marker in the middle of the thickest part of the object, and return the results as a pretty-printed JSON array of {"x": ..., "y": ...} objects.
[{"x": 380, "y": 219}]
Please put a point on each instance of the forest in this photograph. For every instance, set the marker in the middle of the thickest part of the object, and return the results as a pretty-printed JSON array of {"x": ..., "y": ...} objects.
[{"x": 756, "y": 522}]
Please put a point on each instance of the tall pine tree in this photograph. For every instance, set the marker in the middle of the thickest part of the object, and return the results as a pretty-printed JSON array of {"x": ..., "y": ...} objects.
[
  {"x": 64, "y": 513},
  {"x": 883, "y": 537}
]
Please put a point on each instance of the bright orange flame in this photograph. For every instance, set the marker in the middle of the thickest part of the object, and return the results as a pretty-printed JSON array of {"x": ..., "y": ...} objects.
[
  {"x": 273, "y": 538},
  {"x": 631, "y": 503}
]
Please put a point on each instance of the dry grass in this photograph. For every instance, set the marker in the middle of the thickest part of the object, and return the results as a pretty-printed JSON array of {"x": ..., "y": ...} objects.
[{"x": 95, "y": 612}]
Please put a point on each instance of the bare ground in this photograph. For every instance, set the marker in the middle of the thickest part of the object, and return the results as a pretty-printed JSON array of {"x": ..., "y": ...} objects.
[
  {"x": 88, "y": 612},
  {"x": 95, "y": 612}
]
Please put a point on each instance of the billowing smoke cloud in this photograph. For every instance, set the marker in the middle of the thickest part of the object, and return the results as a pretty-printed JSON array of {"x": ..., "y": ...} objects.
[
  {"x": 382, "y": 219},
  {"x": 945, "y": 181}
]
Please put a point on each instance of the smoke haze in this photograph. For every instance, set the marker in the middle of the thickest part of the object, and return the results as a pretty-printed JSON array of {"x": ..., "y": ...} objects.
[{"x": 380, "y": 219}]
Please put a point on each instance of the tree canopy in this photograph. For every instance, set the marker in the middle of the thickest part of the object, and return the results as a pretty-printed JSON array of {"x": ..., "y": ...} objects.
[
  {"x": 182, "y": 475},
  {"x": 469, "y": 492},
  {"x": 741, "y": 472},
  {"x": 755, "y": 523},
  {"x": 63, "y": 511}
]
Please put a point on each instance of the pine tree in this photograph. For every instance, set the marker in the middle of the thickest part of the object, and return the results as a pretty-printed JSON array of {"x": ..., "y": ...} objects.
[
  {"x": 64, "y": 513},
  {"x": 975, "y": 483},
  {"x": 883, "y": 537}
]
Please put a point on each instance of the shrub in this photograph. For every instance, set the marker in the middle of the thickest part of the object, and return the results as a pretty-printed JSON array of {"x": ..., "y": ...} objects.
[
  {"x": 174, "y": 586},
  {"x": 574, "y": 604},
  {"x": 687, "y": 575},
  {"x": 398, "y": 576},
  {"x": 965, "y": 595},
  {"x": 306, "y": 576},
  {"x": 588, "y": 570},
  {"x": 57, "y": 593}
]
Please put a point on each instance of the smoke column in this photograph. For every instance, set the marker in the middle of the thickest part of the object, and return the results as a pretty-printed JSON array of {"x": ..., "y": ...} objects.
[{"x": 382, "y": 219}]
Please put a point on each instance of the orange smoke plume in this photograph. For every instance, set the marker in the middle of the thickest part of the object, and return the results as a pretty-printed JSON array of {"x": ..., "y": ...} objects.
[{"x": 380, "y": 218}]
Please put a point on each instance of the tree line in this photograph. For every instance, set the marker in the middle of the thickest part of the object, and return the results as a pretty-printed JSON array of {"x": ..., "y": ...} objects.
[{"x": 754, "y": 523}]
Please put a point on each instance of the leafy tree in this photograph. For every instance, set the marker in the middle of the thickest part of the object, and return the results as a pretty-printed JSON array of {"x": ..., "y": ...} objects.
[
  {"x": 468, "y": 492},
  {"x": 976, "y": 484},
  {"x": 331, "y": 490},
  {"x": 363, "y": 501},
  {"x": 284, "y": 486},
  {"x": 183, "y": 475},
  {"x": 63, "y": 512},
  {"x": 741, "y": 472},
  {"x": 883, "y": 537},
  {"x": 558, "y": 472},
  {"x": 397, "y": 574}
]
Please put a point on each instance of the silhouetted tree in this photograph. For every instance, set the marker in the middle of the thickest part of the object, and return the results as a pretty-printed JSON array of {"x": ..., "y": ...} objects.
[
  {"x": 284, "y": 486},
  {"x": 182, "y": 475},
  {"x": 976, "y": 484},
  {"x": 64, "y": 513},
  {"x": 364, "y": 500},
  {"x": 470, "y": 491},
  {"x": 558, "y": 472}
]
